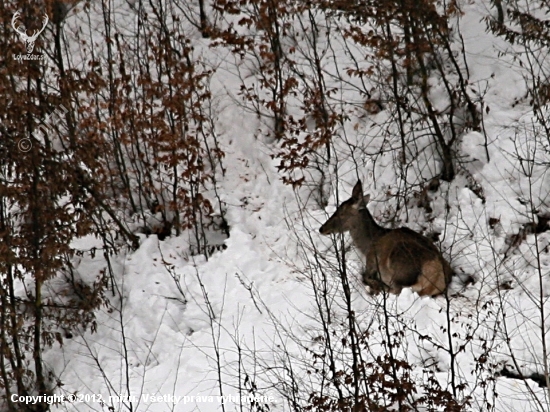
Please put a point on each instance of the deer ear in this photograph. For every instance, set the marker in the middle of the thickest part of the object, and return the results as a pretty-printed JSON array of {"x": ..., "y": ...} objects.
[
  {"x": 361, "y": 203},
  {"x": 357, "y": 193}
]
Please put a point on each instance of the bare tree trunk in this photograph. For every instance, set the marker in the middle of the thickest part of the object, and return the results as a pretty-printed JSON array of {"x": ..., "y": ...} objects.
[{"x": 204, "y": 21}]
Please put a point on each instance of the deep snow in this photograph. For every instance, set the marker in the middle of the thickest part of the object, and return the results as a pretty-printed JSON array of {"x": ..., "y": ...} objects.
[{"x": 243, "y": 301}]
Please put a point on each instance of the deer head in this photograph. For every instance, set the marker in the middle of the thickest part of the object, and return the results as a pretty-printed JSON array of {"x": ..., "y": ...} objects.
[
  {"x": 29, "y": 40},
  {"x": 347, "y": 214}
]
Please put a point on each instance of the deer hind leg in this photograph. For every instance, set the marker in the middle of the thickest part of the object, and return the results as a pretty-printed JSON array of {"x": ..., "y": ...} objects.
[{"x": 432, "y": 281}]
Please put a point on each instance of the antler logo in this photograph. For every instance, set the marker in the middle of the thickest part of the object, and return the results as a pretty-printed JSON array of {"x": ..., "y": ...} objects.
[{"x": 29, "y": 40}]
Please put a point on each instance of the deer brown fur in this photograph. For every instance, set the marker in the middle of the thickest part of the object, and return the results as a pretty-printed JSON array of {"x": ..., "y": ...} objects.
[{"x": 395, "y": 258}]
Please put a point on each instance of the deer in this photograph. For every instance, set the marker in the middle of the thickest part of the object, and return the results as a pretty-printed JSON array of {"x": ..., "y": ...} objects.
[
  {"x": 395, "y": 258},
  {"x": 29, "y": 40}
]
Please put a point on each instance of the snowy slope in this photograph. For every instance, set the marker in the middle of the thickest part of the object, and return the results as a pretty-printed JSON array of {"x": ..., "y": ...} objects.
[{"x": 183, "y": 333}]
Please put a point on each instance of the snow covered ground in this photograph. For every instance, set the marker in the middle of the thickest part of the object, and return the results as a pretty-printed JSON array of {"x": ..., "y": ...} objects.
[{"x": 186, "y": 333}]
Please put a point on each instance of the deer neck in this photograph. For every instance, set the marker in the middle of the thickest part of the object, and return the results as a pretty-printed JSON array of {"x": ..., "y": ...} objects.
[{"x": 366, "y": 231}]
